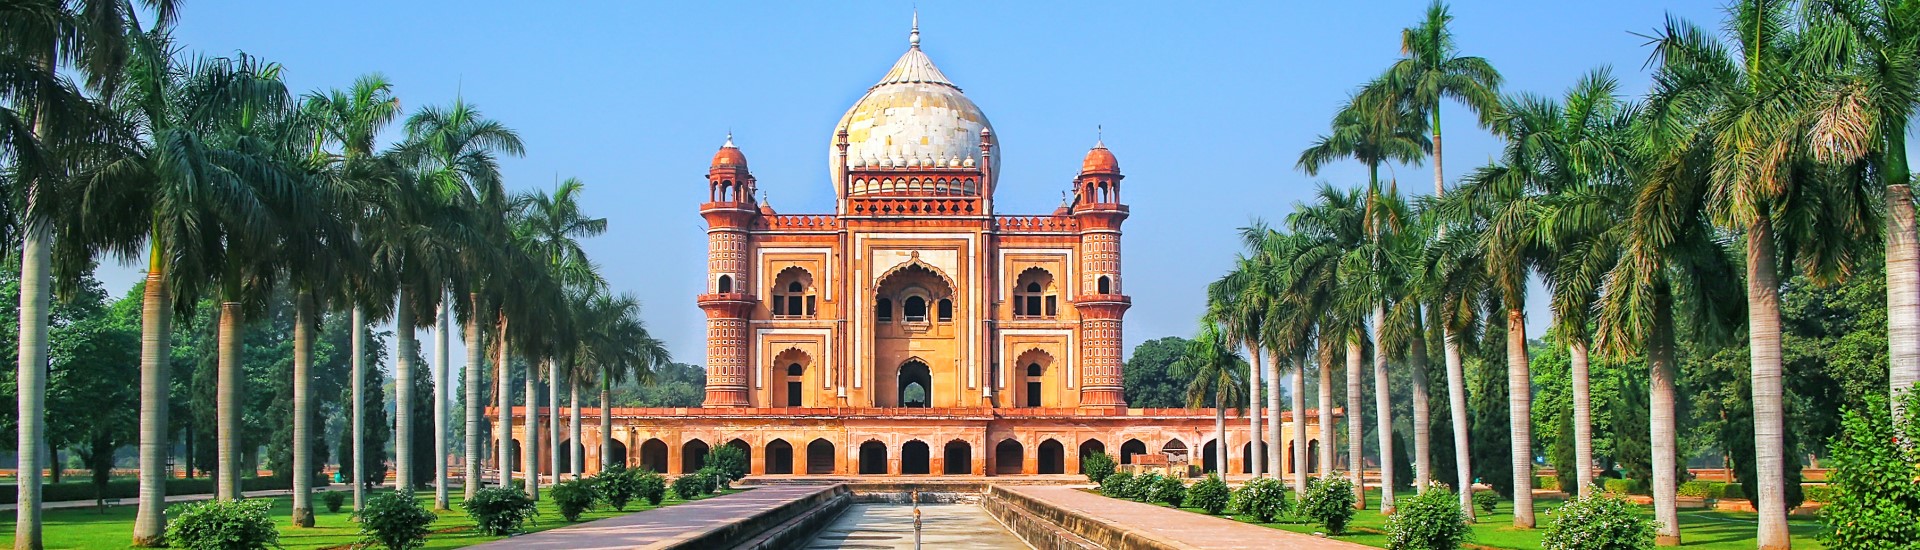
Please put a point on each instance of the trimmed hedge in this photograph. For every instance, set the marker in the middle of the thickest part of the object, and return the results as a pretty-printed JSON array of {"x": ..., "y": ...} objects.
[
  {"x": 1549, "y": 483},
  {"x": 1817, "y": 492},
  {"x": 1702, "y": 489},
  {"x": 130, "y": 488},
  {"x": 1625, "y": 487}
]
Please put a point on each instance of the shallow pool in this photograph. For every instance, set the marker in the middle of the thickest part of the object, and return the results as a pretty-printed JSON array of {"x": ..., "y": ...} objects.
[{"x": 890, "y": 526}]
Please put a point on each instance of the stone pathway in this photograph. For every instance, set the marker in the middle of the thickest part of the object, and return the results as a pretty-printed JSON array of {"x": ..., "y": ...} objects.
[
  {"x": 659, "y": 527},
  {"x": 1178, "y": 528}
]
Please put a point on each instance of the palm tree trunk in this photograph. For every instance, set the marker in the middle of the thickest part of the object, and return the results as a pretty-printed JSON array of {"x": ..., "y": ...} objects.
[
  {"x": 606, "y": 418},
  {"x": 1219, "y": 436},
  {"x": 577, "y": 462},
  {"x": 503, "y": 394},
  {"x": 530, "y": 433},
  {"x": 36, "y": 259},
  {"x": 440, "y": 327},
  {"x": 1326, "y": 409},
  {"x": 1382, "y": 408},
  {"x": 1769, "y": 426},
  {"x": 476, "y": 413},
  {"x": 553, "y": 422},
  {"x": 1253, "y": 413},
  {"x": 403, "y": 391},
  {"x": 1457, "y": 413},
  {"x": 1520, "y": 417},
  {"x": 156, "y": 381},
  {"x": 1356, "y": 429},
  {"x": 1274, "y": 437},
  {"x": 302, "y": 409},
  {"x": 1582, "y": 418},
  {"x": 1422, "y": 416},
  {"x": 227, "y": 402},
  {"x": 1299, "y": 454},
  {"x": 1903, "y": 292},
  {"x": 359, "y": 343},
  {"x": 1660, "y": 360}
]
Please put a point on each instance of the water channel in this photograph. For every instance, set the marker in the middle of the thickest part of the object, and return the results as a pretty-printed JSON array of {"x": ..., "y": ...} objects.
[{"x": 889, "y": 526}]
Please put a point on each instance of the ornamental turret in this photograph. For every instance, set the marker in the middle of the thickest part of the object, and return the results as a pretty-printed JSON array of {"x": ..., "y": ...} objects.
[
  {"x": 728, "y": 300},
  {"x": 1101, "y": 302}
]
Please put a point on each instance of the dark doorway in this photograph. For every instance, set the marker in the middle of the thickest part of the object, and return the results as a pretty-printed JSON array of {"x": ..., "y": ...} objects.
[
  {"x": 779, "y": 457},
  {"x": 1313, "y": 456},
  {"x": 619, "y": 453},
  {"x": 1033, "y": 384},
  {"x": 959, "y": 457},
  {"x": 793, "y": 384},
  {"x": 1008, "y": 457},
  {"x": 1210, "y": 459},
  {"x": 915, "y": 458},
  {"x": 1249, "y": 458},
  {"x": 916, "y": 385},
  {"x": 1088, "y": 447},
  {"x": 820, "y": 457},
  {"x": 1130, "y": 449},
  {"x": 873, "y": 458},
  {"x": 693, "y": 456},
  {"x": 1053, "y": 457},
  {"x": 653, "y": 456},
  {"x": 745, "y": 450}
]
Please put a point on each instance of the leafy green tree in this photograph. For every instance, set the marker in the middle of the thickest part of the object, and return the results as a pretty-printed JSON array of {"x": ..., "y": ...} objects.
[
  {"x": 1873, "y": 471},
  {"x": 1149, "y": 379}
]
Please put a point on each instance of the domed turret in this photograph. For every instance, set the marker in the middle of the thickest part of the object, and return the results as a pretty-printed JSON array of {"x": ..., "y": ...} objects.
[
  {"x": 729, "y": 157},
  {"x": 728, "y": 179},
  {"x": 1100, "y": 161},
  {"x": 913, "y": 118}
]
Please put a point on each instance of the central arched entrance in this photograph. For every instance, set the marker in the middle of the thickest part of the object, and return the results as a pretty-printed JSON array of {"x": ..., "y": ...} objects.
[
  {"x": 693, "y": 456},
  {"x": 653, "y": 456},
  {"x": 916, "y": 384},
  {"x": 873, "y": 458},
  {"x": 619, "y": 453},
  {"x": 959, "y": 458},
  {"x": 1053, "y": 457},
  {"x": 779, "y": 457},
  {"x": 1008, "y": 457},
  {"x": 916, "y": 458},
  {"x": 820, "y": 457}
]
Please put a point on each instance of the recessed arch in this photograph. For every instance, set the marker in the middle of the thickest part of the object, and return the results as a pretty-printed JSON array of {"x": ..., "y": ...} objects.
[
  {"x": 1210, "y": 457},
  {"x": 779, "y": 458},
  {"x": 959, "y": 458},
  {"x": 725, "y": 284},
  {"x": 653, "y": 455},
  {"x": 1008, "y": 457},
  {"x": 820, "y": 457},
  {"x": 1035, "y": 295},
  {"x": 1052, "y": 457},
  {"x": 1034, "y": 379},
  {"x": 873, "y": 458},
  {"x": 619, "y": 453},
  {"x": 1131, "y": 448},
  {"x": 1090, "y": 446},
  {"x": 746, "y": 450},
  {"x": 693, "y": 455},
  {"x": 787, "y": 382},
  {"x": 915, "y": 458},
  {"x": 1105, "y": 284},
  {"x": 793, "y": 294},
  {"x": 915, "y": 384}
]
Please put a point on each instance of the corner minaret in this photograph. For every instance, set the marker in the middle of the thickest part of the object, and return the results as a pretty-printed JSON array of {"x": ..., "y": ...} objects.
[
  {"x": 1101, "y": 302},
  {"x": 729, "y": 299}
]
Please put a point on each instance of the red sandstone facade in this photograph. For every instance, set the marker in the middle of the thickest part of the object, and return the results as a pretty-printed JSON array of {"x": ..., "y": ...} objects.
[{"x": 914, "y": 330}]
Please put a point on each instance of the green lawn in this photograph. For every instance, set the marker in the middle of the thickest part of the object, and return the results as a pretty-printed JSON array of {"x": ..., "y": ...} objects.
[
  {"x": 88, "y": 528},
  {"x": 1698, "y": 528}
]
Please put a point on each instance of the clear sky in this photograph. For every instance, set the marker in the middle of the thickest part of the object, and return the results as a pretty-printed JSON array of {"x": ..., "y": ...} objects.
[{"x": 1206, "y": 104}]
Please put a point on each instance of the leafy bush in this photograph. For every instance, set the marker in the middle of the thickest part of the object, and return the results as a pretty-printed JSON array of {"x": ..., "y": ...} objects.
[
  {"x": 1431, "y": 520},
  {"x": 334, "y": 500},
  {"x": 1142, "y": 486},
  {"x": 1097, "y": 466},
  {"x": 1486, "y": 500},
  {"x": 395, "y": 520},
  {"x": 618, "y": 486},
  {"x": 652, "y": 486},
  {"x": 500, "y": 511},
  {"x": 1329, "y": 502},
  {"x": 1701, "y": 489},
  {"x": 222, "y": 525},
  {"x": 1626, "y": 486},
  {"x": 730, "y": 461},
  {"x": 1209, "y": 495},
  {"x": 717, "y": 479},
  {"x": 689, "y": 486},
  {"x": 1817, "y": 492},
  {"x": 1733, "y": 490},
  {"x": 1171, "y": 491},
  {"x": 573, "y": 497},
  {"x": 1601, "y": 522},
  {"x": 1549, "y": 483},
  {"x": 1263, "y": 498},
  {"x": 1115, "y": 485},
  {"x": 1873, "y": 496}
]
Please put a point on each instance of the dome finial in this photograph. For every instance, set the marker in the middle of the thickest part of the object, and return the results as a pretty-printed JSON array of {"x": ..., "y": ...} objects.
[
  {"x": 913, "y": 38},
  {"x": 1099, "y": 137},
  {"x": 729, "y": 142}
]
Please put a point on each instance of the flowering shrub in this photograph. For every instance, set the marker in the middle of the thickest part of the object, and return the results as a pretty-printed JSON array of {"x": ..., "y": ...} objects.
[
  {"x": 1263, "y": 498},
  {"x": 1872, "y": 496},
  {"x": 1329, "y": 502},
  {"x": 395, "y": 521},
  {"x": 1210, "y": 495},
  {"x": 500, "y": 511},
  {"x": 222, "y": 525},
  {"x": 1486, "y": 500},
  {"x": 1431, "y": 520},
  {"x": 1115, "y": 485},
  {"x": 1142, "y": 486},
  {"x": 1097, "y": 466},
  {"x": 1171, "y": 491},
  {"x": 1600, "y": 522}
]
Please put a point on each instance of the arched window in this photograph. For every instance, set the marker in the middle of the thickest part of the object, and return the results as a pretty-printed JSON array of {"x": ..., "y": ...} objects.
[
  {"x": 1033, "y": 384},
  {"x": 915, "y": 309},
  {"x": 1034, "y": 295},
  {"x": 883, "y": 310},
  {"x": 946, "y": 310},
  {"x": 726, "y": 284},
  {"x": 793, "y": 384},
  {"x": 793, "y": 295},
  {"x": 1106, "y": 285}
]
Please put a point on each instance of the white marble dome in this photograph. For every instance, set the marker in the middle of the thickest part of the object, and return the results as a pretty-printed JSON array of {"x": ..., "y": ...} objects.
[{"x": 914, "y": 117}]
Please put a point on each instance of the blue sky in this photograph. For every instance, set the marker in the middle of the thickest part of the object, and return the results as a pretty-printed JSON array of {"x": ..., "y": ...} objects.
[{"x": 1206, "y": 104}]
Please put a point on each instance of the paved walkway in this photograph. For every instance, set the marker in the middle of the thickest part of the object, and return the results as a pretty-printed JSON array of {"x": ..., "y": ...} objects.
[
  {"x": 1179, "y": 528},
  {"x": 659, "y": 527}
]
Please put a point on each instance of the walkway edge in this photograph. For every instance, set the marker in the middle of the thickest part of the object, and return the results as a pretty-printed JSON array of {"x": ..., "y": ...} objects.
[
  {"x": 1100, "y": 532},
  {"x": 764, "y": 526}
]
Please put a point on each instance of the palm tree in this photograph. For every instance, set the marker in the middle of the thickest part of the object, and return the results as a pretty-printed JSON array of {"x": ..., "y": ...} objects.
[
  {"x": 1747, "y": 109},
  {"x": 351, "y": 120},
  {"x": 1240, "y": 302},
  {"x": 1212, "y": 363},
  {"x": 615, "y": 341},
  {"x": 1332, "y": 278},
  {"x": 550, "y": 226},
  {"x": 457, "y": 148},
  {"x": 1864, "y": 106},
  {"x": 1374, "y": 129},
  {"x": 1291, "y": 327},
  {"x": 1430, "y": 70}
]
